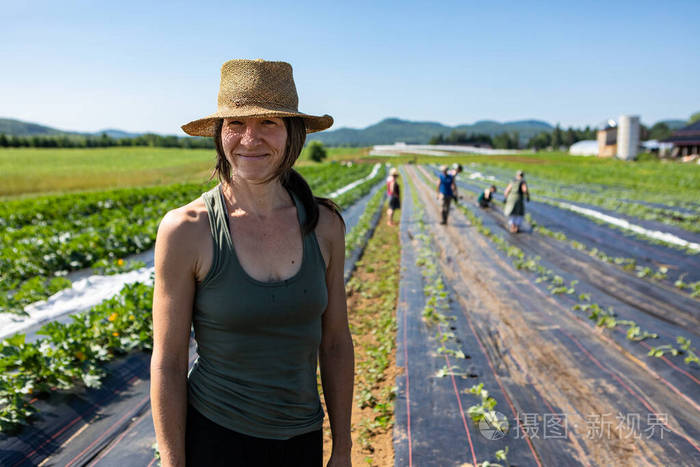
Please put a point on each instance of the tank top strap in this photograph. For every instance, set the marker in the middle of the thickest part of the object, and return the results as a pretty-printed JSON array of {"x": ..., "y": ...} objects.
[
  {"x": 218, "y": 225},
  {"x": 301, "y": 212},
  {"x": 312, "y": 251}
]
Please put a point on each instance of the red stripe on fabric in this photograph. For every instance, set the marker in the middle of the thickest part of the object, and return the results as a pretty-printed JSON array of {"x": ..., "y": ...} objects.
[
  {"x": 630, "y": 390},
  {"x": 461, "y": 412},
  {"x": 408, "y": 391},
  {"x": 505, "y": 394}
]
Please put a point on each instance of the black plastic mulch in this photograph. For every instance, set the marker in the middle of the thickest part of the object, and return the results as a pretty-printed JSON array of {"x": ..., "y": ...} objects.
[
  {"x": 352, "y": 217},
  {"x": 88, "y": 415},
  {"x": 431, "y": 424},
  {"x": 627, "y": 385},
  {"x": 654, "y": 307},
  {"x": 614, "y": 242}
]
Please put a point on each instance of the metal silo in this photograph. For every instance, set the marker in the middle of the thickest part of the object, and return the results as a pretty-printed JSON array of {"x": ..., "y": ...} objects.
[{"x": 627, "y": 137}]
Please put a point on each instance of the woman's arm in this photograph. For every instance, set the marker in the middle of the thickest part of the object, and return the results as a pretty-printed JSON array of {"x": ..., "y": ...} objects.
[
  {"x": 172, "y": 318},
  {"x": 336, "y": 355},
  {"x": 508, "y": 188}
]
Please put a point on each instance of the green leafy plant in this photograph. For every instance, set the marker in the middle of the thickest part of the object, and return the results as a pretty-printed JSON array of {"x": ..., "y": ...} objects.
[
  {"x": 691, "y": 356},
  {"x": 661, "y": 350}
]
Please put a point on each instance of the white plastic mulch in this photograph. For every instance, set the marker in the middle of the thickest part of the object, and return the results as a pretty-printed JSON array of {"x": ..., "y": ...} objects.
[{"x": 622, "y": 223}]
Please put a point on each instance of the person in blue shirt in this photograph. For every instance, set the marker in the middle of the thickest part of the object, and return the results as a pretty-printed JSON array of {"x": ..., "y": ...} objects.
[{"x": 447, "y": 190}]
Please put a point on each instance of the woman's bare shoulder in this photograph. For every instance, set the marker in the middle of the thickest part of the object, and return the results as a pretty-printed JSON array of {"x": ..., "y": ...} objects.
[
  {"x": 330, "y": 224},
  {"x": 185, "y": 223}
]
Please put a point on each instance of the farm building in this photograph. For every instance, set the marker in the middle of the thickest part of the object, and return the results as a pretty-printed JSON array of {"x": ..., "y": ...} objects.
[
  {"x": 620, "y": 139},
  {"x": 607, "y": 141},
  {"x": 686, "y": 141}
]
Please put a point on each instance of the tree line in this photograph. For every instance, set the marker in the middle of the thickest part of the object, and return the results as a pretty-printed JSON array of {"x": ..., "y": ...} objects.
[
  {"x": 103, "y": 141},
  {"x": 555, "y": 138}
]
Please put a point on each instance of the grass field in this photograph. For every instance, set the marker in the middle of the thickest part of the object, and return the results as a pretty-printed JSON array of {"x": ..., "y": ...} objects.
[
  {"x": 344, "y": 153},
  {"x": 30, "y": 171},
  {"x": 33, "y": 171}
]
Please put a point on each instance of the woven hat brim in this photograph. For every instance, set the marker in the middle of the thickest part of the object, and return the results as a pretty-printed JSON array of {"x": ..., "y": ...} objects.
[{"x": 205, "y": 126}]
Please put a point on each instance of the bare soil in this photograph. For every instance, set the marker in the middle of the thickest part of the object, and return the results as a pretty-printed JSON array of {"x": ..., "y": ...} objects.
[{"x": 376, "y": 449}]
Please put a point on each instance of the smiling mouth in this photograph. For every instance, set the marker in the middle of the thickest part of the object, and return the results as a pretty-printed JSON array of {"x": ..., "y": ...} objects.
[{"x": 251, "y": 156}]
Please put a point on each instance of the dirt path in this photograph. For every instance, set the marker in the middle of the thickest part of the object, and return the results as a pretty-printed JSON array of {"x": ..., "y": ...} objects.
[
  {"x": 371, "y": 296},
  {"x": 545, "y": 356}
]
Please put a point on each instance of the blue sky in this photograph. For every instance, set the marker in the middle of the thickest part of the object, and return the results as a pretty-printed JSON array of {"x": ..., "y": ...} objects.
[{"x": 153, "y": 66}]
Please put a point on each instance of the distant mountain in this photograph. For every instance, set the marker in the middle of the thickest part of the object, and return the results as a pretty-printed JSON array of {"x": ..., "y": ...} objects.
[
  {"x": 9, "y": 126},
  {"x": 392, "y": 130},
  {"x": 117, "y": 134},
  {"x": 387, "y": 131}
]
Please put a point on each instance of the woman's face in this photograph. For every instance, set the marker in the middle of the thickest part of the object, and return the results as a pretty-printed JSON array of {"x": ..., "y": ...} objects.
[{"x": 254, "y": 146}]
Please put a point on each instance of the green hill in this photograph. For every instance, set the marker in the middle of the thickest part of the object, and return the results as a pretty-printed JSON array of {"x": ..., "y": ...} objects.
[
  {"x": 12, "y": 127},
  {"x": 392, "y": 130},
  {"x": 9, "y": 126}
]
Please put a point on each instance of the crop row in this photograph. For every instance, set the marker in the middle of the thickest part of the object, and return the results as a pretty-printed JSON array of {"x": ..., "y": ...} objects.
[
  {"x": 72, "y": 354},
  {"x": 626, "y": 264},
  {"x": 645, "y": 205},
  {"x": 104, "y": 227},
  {"x": 437, "y": 301},
  {"x": 44, "y": 210},
  {"x": 356, "y": 237},
  {"x": 375, "y": 319},
  {"x": 603, "y": 318}
]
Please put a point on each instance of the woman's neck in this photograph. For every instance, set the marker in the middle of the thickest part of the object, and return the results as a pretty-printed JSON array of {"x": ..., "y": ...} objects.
[{"x": 258, "y": 199}]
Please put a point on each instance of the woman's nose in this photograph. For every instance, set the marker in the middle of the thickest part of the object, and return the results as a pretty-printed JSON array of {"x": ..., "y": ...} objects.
[{"x": 251, "y": 134}]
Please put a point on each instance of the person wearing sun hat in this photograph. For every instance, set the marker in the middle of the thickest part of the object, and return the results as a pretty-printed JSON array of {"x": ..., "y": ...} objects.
[
  {"x": 515, "y": 195},
  {"x": 394, "y": 193},
  {"x": 255, "y": 266}
]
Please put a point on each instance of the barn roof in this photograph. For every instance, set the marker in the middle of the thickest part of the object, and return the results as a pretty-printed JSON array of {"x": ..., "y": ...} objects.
[{"x": 686, "y": 135}]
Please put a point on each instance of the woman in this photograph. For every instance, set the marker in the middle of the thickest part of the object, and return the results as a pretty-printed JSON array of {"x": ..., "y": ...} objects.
[
  {"x": 486, "y": 196},
  {"x": 394, "y": 192},
  {"x": 516, "y": 193},
  {"x": 256, "y": 266}
]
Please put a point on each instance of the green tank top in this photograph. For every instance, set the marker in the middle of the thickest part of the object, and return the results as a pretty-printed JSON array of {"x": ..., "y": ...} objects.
[{"x": 257, "y": 342}]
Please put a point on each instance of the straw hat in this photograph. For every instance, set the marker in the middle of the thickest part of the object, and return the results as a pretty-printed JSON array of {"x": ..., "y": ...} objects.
[
  {"x": 256, "y": 88},
  {"x": 393, "y": 172}
]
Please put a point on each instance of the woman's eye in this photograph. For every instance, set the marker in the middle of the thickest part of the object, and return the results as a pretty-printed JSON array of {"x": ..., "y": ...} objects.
[
  {"x": 235, "y": 122},
  {"x": 269, "y": 122}
]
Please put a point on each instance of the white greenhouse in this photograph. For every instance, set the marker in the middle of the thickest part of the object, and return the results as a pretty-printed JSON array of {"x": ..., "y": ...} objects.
[{"x": 586, "y": 147}]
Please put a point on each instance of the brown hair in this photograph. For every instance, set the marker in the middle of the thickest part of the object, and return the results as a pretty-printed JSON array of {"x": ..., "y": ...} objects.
[{"x": 290, "y": 178}]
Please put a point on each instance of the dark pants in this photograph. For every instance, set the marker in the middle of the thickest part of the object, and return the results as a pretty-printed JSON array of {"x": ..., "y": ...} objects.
[
  {"x": 209, "y": 444},
  {"x": 446, "y": 200}
]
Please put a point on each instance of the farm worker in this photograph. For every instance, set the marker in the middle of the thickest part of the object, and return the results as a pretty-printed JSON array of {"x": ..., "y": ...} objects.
[
  {"x": 255, "y": 265},
  {"x": 446, "y": 191},
  {"x": 394, "y": 192},
  {"x": 486, "y": 196},
  {"x": 516, "y": 193}
]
